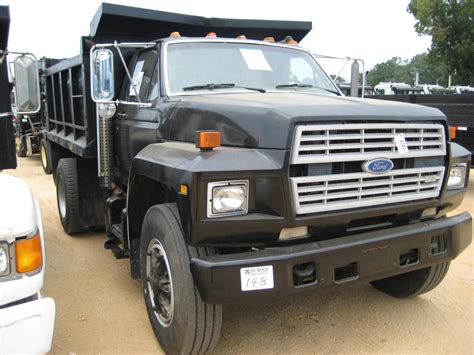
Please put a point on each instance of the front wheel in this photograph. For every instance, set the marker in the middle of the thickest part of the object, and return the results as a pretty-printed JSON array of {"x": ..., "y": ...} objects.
[
  {"x": 413, "y": 283},
  {"x": 181, "y": 321}
]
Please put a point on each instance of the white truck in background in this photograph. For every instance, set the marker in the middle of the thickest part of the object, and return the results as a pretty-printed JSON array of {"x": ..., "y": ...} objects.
[{"x": 26, "y": 318}]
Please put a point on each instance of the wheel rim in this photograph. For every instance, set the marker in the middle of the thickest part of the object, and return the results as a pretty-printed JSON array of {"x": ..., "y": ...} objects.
[
  {"x": 43, "y": 156},
  {"x": 61, "y": 198},
  {"x": 159, "y": 284}
]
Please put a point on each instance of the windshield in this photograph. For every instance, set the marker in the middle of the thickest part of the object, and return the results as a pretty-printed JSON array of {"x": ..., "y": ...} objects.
[{"x": 202, "y": 67}]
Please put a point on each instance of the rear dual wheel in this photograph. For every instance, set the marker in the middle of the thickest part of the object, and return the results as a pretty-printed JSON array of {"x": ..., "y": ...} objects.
[
  {"x": 67, "y": 193},
  {"x": 45, "y": 154},
  {"x": 21, "y": 148},
  {"x": 181, "y": 321}
]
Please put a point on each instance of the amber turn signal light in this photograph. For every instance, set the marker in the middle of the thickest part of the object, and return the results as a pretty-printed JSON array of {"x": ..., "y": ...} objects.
[
  {"x": 206, "y": 140},
  {"x": 453, "y": 130},
  {"x": 29, "y": 256}
]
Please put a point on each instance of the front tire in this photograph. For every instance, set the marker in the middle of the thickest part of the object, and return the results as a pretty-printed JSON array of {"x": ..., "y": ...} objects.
[
  {"x": 67, "y": 193},
  {"x": 181, "y": 321},
  {"x": 413, "y": 283}
]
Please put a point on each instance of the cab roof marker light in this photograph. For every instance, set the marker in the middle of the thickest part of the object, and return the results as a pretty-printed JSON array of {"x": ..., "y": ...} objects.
[
  {"x": 290, "y": 40},
  {"x": 175, "y": 34},
  {"x": 242, "y": 37},
  {"x": 269, "y": 39},
  {"x": 211, "y": 35}
]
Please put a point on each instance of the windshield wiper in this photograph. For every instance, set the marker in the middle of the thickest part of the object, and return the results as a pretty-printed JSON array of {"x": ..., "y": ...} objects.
[
  {"x": 294, "y": 85},
  {"x": 219, "y": 86}
]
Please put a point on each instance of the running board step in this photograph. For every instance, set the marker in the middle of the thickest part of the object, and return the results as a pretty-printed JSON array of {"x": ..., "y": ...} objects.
[{"x": 113, "y": 245}]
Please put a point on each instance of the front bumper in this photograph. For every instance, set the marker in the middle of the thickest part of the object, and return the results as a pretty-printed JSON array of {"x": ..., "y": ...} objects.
[
  {"x": 27, "y": 327},
  {"x": 363, "y": 257}
]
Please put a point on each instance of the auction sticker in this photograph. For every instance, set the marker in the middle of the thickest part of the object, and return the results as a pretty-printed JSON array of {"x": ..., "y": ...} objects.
[
  {"x": 256, "y": 278},
  {"x": 401, "y": 143}
]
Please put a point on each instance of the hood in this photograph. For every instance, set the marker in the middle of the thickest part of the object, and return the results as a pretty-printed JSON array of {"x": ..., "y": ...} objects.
[
  {"x": 17, "y": 208},
  {"x": 267, "y": 120}
]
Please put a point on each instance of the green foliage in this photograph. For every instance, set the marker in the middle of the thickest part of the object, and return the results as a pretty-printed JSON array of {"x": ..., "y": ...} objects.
[
  {"x": 450, "y": 23},
  {"x": 392, "y": 70},
  {"x": 337, "y": 79},
  {"x": 399, "y": 70}
]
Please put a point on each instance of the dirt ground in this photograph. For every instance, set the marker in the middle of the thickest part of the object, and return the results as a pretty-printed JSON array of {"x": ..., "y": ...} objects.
[{"x": 100, "y": 308}]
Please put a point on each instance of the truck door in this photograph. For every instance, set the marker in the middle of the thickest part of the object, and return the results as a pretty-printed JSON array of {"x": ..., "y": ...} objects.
[{"x": 136, "y": 127}]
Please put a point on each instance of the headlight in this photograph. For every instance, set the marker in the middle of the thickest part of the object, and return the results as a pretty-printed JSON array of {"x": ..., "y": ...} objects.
[
  {"x": 4, "y": 261},
  {"x": 227, "y": 198},
  {"x": 457, "y": 176}
]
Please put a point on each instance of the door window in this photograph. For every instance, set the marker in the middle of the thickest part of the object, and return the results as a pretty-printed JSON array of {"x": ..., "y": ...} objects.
[{"x": 144, "y": 77}]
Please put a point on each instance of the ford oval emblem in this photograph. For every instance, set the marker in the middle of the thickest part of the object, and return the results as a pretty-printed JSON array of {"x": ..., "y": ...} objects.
[{"x": 377, "y": 166}]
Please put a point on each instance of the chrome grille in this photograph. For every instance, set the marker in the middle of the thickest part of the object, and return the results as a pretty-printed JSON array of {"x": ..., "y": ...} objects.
[
  {"x": 351, "y": 142},
  {"x": 344, "y": 191},
  {"x": 320, "y": 145}
]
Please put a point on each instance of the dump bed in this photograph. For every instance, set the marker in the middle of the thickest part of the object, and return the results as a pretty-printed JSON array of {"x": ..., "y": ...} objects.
[
  {"x": 459, "y": 109},
  {"x": 70, "y": 115}
]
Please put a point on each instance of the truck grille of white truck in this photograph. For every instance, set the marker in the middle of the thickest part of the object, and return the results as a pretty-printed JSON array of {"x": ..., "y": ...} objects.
[{"x": 332, "y": 156}]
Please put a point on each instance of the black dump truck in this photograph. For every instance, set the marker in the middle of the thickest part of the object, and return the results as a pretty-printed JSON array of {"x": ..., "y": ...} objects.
[
  {"x": 229, "y": 168},
  {"x": 7, "y": 143}
]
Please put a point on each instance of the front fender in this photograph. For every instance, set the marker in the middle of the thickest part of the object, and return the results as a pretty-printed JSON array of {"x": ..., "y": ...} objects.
[{"x": 174, "y": 164}]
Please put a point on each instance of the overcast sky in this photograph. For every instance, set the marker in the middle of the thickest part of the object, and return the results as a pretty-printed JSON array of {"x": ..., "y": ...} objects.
[{"x": 374, "y": 30}]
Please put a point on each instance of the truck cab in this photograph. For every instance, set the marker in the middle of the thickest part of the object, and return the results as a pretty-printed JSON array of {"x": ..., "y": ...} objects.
[{"x": 229, "y": 168}]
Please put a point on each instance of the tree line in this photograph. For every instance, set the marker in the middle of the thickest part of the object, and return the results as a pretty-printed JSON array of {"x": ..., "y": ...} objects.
[{"x": 450, "y": 23}]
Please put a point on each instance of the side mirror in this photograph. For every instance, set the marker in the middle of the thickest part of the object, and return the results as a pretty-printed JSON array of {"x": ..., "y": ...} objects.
[
  {"x": 102, "y": 75},
  {"x": 27, "y": 89}
]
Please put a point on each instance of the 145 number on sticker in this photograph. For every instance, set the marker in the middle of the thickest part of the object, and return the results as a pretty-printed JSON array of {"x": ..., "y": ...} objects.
[{"x": 256, "y": 278}]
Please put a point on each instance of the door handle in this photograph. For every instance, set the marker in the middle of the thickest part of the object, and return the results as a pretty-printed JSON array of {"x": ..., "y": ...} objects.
[{"x": 121, "y": 115}]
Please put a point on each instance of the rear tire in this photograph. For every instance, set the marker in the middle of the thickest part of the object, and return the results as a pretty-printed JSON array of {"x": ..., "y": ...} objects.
[
  {"x": 413, "y": 283},
  {"x": 67, "y": 193},
  {"x": 21, "y": 149},
  {"x": 45, "y": 153},
  {"x": 181, "y": 321}
]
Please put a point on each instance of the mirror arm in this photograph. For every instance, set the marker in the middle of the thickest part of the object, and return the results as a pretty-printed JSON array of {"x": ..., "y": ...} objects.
[
  {"x": 127, "y": 71},
  {"x": 3, "y": 54},
  {"x": 139, "y": 104}
]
